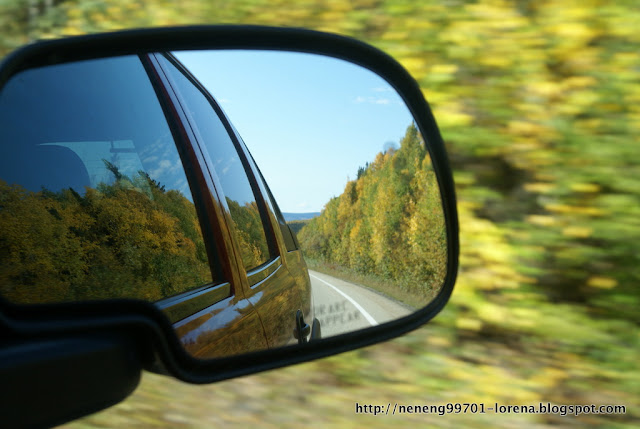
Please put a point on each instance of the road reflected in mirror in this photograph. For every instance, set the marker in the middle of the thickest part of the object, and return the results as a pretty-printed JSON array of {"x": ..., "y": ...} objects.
[
  {"x": 258, "y": 198},
  {"x": 342, "y": 306}
]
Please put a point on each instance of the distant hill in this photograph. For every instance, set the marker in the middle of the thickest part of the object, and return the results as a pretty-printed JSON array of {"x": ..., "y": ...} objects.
[
  {"x": 297, "y": 225},
  {"x": 299, "y": 216}
]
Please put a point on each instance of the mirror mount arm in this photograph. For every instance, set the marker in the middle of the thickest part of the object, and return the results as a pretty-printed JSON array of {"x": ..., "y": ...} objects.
[{"x": 68, "y": 377}]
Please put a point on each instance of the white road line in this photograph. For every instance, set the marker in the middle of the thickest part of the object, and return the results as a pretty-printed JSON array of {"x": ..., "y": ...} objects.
[{"x": 366, "y": 315}]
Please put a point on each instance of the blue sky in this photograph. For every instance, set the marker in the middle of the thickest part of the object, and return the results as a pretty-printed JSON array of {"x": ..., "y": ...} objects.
[{"x": 310, "y": 121}]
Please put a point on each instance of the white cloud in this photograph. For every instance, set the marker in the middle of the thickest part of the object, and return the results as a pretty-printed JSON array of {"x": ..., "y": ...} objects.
[{"x": 372, "y": 100}]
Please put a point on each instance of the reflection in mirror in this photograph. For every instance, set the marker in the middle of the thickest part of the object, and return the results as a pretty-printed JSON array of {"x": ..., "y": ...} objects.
[
  {"x": 93, "y": 205},
  {"x": 102, "y": 194},
  {"x": 352, "y": 175}
]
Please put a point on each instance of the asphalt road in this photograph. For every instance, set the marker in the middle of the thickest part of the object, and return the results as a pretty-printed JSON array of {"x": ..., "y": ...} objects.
[{"x": 342, "y": 307}]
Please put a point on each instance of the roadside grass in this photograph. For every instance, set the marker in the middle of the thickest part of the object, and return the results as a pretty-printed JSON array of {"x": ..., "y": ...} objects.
[{"x": 438, "y": 364}]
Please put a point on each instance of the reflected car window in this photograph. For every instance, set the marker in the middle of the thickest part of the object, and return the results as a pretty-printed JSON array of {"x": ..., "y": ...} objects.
[
  {"x": 227, "y": 165},
  {"x": 94, "y": 201}
]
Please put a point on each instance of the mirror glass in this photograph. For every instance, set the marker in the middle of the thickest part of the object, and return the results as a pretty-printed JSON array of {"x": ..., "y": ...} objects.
[{"x": 326, "y": 215}]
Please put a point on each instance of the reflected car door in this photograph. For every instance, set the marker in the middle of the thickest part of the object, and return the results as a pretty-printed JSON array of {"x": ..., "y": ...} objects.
[
  {"x": 290, "y": 289},
  {"x": 279, "y": 292},
  {"x": 221, "y": 321},
  {"x": 109, "y": 200}
]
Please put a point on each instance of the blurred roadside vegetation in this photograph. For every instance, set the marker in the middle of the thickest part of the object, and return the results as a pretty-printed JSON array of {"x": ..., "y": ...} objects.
[{"x": 539, "y": 105}]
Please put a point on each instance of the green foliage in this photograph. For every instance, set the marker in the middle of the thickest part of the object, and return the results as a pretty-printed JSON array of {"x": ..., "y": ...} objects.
[
  {"x": 249, "y": 233},
  {"x": 116, "y": 241},
  {"x": 389, "y": 222}
]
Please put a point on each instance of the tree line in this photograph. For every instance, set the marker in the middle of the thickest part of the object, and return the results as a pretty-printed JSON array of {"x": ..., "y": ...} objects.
[
  {"x": 388, "y": 222},
  {"x": 129, "y": 239}
]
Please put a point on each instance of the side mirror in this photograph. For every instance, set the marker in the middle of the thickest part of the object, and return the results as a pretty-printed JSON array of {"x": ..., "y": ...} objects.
[{"x": 139, "y": 227}]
